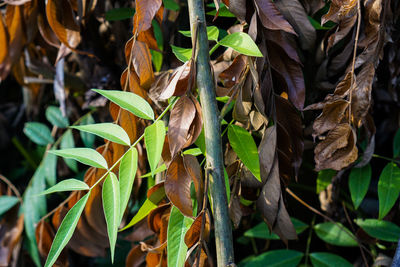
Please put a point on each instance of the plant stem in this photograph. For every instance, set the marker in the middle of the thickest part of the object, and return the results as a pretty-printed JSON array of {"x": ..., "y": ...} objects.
[{"x": 212, "y": 131}]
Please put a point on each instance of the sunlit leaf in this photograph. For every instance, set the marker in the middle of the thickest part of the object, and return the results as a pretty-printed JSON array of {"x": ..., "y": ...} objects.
[
  {"x": 324, "y": 259},
  {"x": 171, "y": 5},
  {"x": 383, "y": 230},
  {"x": 109, "y": 131},
  {"x": 66, "y": 230},
  {"x": 54, "y": 115},
  {"x": 280, "y": 257},
  {"x": 111, "y": 206},
  {"x": 67, "y": 185},
  {"x": 178, "y": 225},
  {"x": 39, "y": 133},
  {"x": 212, "y": 33},
  {"x": 243, "y": 144},
  {"x": 127, "y": 174},
  {"x": 242, "y": 43},
  {"x": 129, "y": 101},
  {"x": 85, "y": 155},
  {"x": 183, "y": 54},
  {"x": 154, "y": 136},
  {"x": 359, "y": 180},
  {"x": 388, "y": 188},
  {"x": 223, "y": 12},
  {"x": 161, "y": 168},
  {"x": 331, "y": 233},
  {"x": 6, "y": 203},
  {"x": 193, "y": 151},
  {"x": 120, "y": 13}
]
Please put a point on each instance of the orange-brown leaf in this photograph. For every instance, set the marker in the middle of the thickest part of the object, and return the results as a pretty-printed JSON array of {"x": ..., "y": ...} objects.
[
  {"x": 193, "y": 234},
  {"x": 145, "y": 12},
  {"x": 3, "y": 40}
]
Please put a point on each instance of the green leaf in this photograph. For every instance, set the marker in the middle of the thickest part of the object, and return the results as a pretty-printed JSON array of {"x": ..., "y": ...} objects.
[
  {"x": 201, "y": 142},
  {"x": 261, "y": 230},
  {"x": 318, "y": 26},
  {"x": 171, "y": 5},
  {"x": 34, "y": 208},
  {"x": 157, "y": 59},
  {"x": 149, "y": 205},
  {"x": 87, "y": 138},
  {"x": 129, "y": 101},
  {"x": 67, "y": 141},
  {"x": 183, "y": 54},
  {"x": 333, "y": 234},
  {"x": 154, "y": 136},
  {"x": 54, "y": 115},
  {"x": 120, "y": 13},
  {"x": 382, "y": 230},
  {"x": 87, "y": 156},
  {"x": 50, "y": 168},
  {"x": 242, "y": 43},
  {"x": 243, "y": 144},
  {"x": 109, "y": 131},
  {"x": 324, "y": 259},
  {"x": 66, "y": 185},
  {"x": 6, "y": 203},
  {"x": 359, "y": 180},
  {"x": 396, "y": 144},
  {"x": 111, "y": 207},
  {"x": 324, "y": 179},
  {"x": 223, "y": 12},
  {"x": 39, "y": 133},
  {"x": 66, "y": 230},
  {"x": 127, "y": 174},
  {"x": 388, "y": 188},
  {"x": 279, "y": 257},
  {"x": 161, "y": 168},
  {"x": 193, "y": 151},
  {"x": 212, "y": 33},
  {"x": 178, "y": 225}
]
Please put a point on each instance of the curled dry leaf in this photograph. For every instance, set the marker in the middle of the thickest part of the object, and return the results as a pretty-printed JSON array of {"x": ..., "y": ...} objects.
[
  {"x": 270, "y": 16},
  {"x": 193, "y": 234},
  {"x": 332, "y": 114},
  {"x": 158, "y": 222},
  {"x": 338, "y": 150},
  {"x": 181, "y": 119},
  {"x": 177, "y": 186},
  {"x": 12, "y": 226},
  {"x": 3, "y": 40},
  {"x": 178, "y": 83},
  {"x": 136, "y": 257},
  {"x": 60, "y": 16},
  {"x": 148, "y": 38},
  {"x": 237, "y": 7},
  {"x": 146, "y": 10},
  {"x": 233, "y": 74},
  {"x": 193, "y": 168}
]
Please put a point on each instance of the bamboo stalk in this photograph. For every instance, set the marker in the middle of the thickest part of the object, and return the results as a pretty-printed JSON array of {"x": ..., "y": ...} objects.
[{"x": 212, "y": 131}]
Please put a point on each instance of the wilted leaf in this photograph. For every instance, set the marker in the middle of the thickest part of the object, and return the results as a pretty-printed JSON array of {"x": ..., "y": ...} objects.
[
  {"x": 359, "y": 181},
  {"x": 145, "y": 12},
  {"x": 60, "y": 16},
  {"x": 234, "y": 72},
  {"x": 193, "y": 168},
  {"x": 141, "y": 61},
  {"x": 129, "y": 101},
  {"x": 127, "y": 174},
  {"x": 193, "y": 234},
  {"x": 388, "y": 188},
  {"x": 177, "y": 186},
  {"x": 382, "y": 230},
  {"x": 38, "y": 133},
  {"x": 109, "y": 131},
  {"x": 181, "y": 118},
  {"x": 332, "y": 114},
  {"x": 67, "y": 185},
  {"x": 3, "y": 40},
  {"x": 85, "y": 155},
  {"x": 111, "y": 205},
  {"x": 178, "y": 83},
  {"x": 178, "y": 225},
  {"x": 270, "y": 16},
  {"x": 66, "y": 230}
]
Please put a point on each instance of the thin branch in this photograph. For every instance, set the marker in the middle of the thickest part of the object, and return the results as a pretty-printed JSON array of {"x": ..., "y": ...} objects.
[{"x": 13, "y": 188}]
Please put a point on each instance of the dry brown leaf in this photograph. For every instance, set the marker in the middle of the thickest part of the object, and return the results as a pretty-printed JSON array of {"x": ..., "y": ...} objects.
[
  {"x": 3, "y": 40},
  {"x": 12, "y": 226},
  {"x": 136, "y": 257},
  {"x": 234, "y": 72},
  {"x": 181, "y": 118},
  {"x": 177, "y": 186},
  {"x": 145, "y": 12},
  {"x": 338, "y": 150},
  {"x": 266, "y": 152},
  {"x": 237, "y": 7},
  {"x": 270, "y": 16},
  {"x": 148, "y": 38},
  {"x": 193, "y": 168},
  {"x": 141, "y": 61},
  {"x": 178, "y": 82},
  {"x": 62, "y": 21},
  {"x": 332, "y": 114},
  {"x": 193, "y": 234}
]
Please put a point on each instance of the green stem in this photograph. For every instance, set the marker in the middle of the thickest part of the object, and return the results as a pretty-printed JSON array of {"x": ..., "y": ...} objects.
[
  {"x": 386, "y": 158},
  {"x": 23, "y": 152},
  {"x": 307, "y": 254},
  {"x": 134, "y": 144},
  {"x": 215, "y": 47},
  {"x": 212, "y": 133}
]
